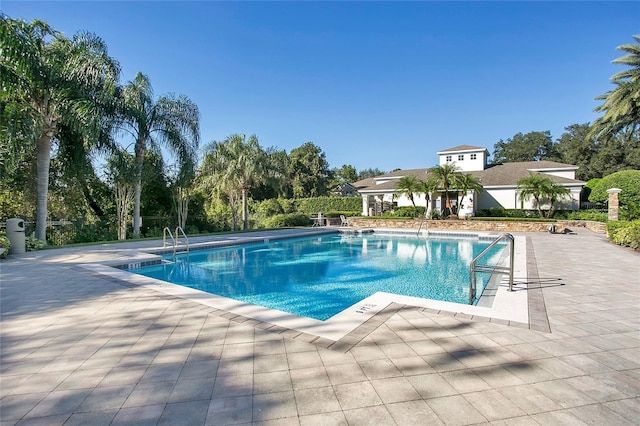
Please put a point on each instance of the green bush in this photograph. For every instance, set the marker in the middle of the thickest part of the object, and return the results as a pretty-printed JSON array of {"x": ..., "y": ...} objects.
[
  {"x": 409, "y": 211},
  {"x": 626, "y": 234},
  {"x": 629, "y": 182},
  {"x": 5, "y": 244},
  {"x": 33, "y": 244},
  {"x": 269, "y": 207},
  {"x": 61, "y": 235},
  {"x": 345, "y": 213},
  {"x": 594, "y": 215},
  {"x": 502, "y": 212},
  {"x": 512, "y": 219},
  {"x": 327, "y": 204},
  {"x": 286, "y": 220},
  {"x": 99, "y": 231},
  {"x": 192, "y": 230}
]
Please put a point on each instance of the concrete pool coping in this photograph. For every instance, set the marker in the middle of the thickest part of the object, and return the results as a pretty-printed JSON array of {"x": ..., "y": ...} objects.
[
  {"x": 509, "y": 308},
  {"x": 80, "y": 348}
]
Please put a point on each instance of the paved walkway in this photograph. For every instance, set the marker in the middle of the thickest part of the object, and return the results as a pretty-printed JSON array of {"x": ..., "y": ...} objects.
[{"x": 81, "y": 348}]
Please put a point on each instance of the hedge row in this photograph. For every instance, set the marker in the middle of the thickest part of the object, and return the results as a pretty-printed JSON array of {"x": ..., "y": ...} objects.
[
  {"x": 329, "y": 204},
  {"x": 625, "y": 233}
]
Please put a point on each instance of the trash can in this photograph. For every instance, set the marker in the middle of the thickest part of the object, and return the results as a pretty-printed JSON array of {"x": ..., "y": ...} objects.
[{"x": 15, "y": 233}]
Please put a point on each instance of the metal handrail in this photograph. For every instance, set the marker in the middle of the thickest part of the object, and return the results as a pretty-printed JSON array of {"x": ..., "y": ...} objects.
[
  {"x": 179, "y": 228},
  {"x": 474, "y": 267},
  {"x": 164, "y": 237},
  {"x": 421, "y": 223}
]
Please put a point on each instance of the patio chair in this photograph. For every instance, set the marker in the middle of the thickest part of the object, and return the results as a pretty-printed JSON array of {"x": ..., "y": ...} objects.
[
  {"x": 318, "y": 220},
  {"x": 343, "y": 221}
]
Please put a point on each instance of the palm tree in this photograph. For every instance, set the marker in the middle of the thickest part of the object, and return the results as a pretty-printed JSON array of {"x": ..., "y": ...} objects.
[
  {"x": 235, "y": 166},
  {"x": 445, "y": 176},
  {"x": 54, "y": 81},
  {"x": 169, "y": 121},
  {"x": 409, "y": 185},
  {"x": 542, "y": 189},
  {"x": 621, "y": 105},
  {"x": 427, "y": 187},
  {"x": 466, "y": 182}
]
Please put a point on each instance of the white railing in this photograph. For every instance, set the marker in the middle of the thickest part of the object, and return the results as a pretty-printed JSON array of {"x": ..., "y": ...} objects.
[
  {"x": 475, "y": 267},
  {"x": 175, "y": 242}
]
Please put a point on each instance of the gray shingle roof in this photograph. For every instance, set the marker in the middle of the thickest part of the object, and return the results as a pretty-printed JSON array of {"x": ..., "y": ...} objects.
[
  {"x": 463, "y": 148},
  {"x": 506, "y": 174}
]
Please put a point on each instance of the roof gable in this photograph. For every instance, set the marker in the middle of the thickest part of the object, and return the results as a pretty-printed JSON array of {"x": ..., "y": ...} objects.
[{"x": 462, "y": 148}]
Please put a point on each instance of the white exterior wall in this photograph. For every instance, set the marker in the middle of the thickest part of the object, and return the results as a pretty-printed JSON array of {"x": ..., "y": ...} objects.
[
  {"x": 404, "y": 201},
  {"x": 508, "y": 199},
  {"x": 497, "y": 197},
  {"x": 466, "y": 164}
]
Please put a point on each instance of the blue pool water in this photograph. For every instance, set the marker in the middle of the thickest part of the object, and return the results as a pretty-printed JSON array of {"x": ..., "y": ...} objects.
[{"x": 317, "y": 277}]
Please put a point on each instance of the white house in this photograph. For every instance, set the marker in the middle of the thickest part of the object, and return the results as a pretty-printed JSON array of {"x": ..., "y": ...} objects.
[{"x": 499, "y": 184}]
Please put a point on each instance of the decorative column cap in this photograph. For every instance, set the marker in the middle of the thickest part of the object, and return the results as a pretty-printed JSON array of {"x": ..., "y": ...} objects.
[{"x": 614, "y": 190}]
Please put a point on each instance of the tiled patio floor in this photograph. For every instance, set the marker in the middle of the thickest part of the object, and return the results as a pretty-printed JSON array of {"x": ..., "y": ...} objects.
[{"x": 81, "y": 348}]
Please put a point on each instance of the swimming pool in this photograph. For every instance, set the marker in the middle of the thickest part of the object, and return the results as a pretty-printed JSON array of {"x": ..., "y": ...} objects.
[{"x": 320, "y": 276}]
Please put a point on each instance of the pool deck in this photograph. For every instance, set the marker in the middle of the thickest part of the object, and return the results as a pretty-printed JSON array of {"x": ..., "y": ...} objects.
[{"x": 82, "y": 347}]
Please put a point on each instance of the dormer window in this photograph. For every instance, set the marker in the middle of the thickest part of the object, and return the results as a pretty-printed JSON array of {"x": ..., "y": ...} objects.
[
  {"x": 460, "y": 157},
  {"x": 448, "y": 159},
  {"x": 474, "y": 156}
]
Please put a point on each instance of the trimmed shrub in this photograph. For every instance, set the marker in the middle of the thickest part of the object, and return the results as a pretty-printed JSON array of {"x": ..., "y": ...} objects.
[
  {"x": 287, "y": 220},
  {"x": 33, "y": 244},
  {"x": 629, "y": 182},
  {"x": 338, "y": 213},
  {"x": 512, "y": 219},
  {"x": 626, "y": 234},
  {"x": 502, "y": 212},
  {"x": 409, "y": 211},
  {"x": 594, "y": 215},
  {"x": 5, "y": 244},
  {"x": 329, "y": 204}
]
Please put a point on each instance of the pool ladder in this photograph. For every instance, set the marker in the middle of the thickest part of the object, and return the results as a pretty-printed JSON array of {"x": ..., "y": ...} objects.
[
  {"x": 475, "y": 267},
  {"x": 175, "y": 242}
]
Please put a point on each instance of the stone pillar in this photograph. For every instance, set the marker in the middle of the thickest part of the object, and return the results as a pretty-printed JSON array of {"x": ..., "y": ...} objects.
[
  {"x": 614, "y": 203},
  {"x": 365, "y": 205}
]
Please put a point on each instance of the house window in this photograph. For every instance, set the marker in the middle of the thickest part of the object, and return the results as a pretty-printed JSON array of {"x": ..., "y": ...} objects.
[
  {"x": 474, "y": 156},
  {"x": 448, "y": 159},
  {"x": 460, "y": 157}
]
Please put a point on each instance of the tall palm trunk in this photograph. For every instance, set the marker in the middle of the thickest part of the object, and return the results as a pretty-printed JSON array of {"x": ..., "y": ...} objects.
[
  {"x": 245, "y": 213},
  {"x": 140, "y": 150},
  {"x": 42, "y": 191}
]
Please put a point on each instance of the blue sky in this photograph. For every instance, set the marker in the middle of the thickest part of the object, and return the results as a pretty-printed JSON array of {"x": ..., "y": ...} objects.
[{"x": 373, "y": 84}]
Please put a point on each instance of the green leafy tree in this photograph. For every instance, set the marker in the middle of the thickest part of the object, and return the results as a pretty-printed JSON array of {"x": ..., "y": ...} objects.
[
  {"x": 173, "y": 122},
  {"x": 235, "y": 166},
  {"x": 626, "y": 180},
  {"x": 276, "y": 180},
  {"x": 347, "y": 173},
  {"x": 618, "y": 152},
  {"x": 543, "y": 190},
  {"x": 310, "y": 174},
  {"x": 370, "y": 173},
  {"x": 409, "y": 185},
  {"x": 465, "y": 182},
  {"x": 445, "y": 175},
  {"x": 121, "y": 175},
  {"x": 621, "y": 106},
  {"x": 533, "y": 146},
  {"x": 74, "y": 155},
  {"x": 52, "y": 80},
  {"x": 156, "y": 199},
  {"x": 576, "y": 146},
  {"x": 182, "y": 184}
]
